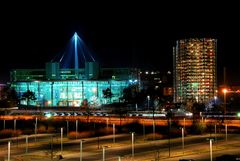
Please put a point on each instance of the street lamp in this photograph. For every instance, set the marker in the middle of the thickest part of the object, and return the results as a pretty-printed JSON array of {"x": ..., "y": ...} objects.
[
  {"x": 224, "y": 97},
  {"x": 184, "y": 122},
  {"x": 153, "y": 129},
  {"x": 143, "y": 130},
  {"x": 36, "y": 121},
  {"x": 76, "y": 129},
  {"x": 119, "y": 158},
  {"x": 107, "y": 124},
  {"x": 14, "y": 122},
  {"x": 215, "y": 131},
  {"x": 26, "y": 150},
  {"x": 210, "y": 144},
  {"x": 67, "y": 127},
  {"x": 104, "y": 147},
  {"x": 81, "y": 141},
  {"x": 148, "y": 98},
  {"x": 132, "y": 144},
  {"x": 226, "y": 131},
  {"x": 169, "y": 116},
  {"x": 4, "y": 124},
  {"x": 61, "y": 140},
  {"x": 103, "y": 153},
  {"x": 113, "y": 133},
  {"x": 183, "y": 139},
  {"x": 215, "y": 100},
  {"x": 9, "y": 146}
]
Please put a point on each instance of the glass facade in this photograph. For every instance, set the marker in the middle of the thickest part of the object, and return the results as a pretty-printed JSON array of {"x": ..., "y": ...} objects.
[
  {"x": 194, "y": 67},
  {"x": 70, "y": 93}
]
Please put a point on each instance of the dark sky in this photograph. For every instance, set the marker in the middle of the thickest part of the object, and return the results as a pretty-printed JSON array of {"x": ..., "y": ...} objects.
[{"x": 121, "y": 35}]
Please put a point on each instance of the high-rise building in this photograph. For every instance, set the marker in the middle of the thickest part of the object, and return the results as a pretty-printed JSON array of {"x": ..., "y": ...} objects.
[{"x": 194, "y": 70}]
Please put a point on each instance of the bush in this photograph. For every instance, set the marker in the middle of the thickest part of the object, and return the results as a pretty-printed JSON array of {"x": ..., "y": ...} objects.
[
  {"x": 7, "y": 133},
  {"x": 151, "y": 136},
  {"x": 73, "y": 134},
  {"x": 42, "y": 129},
  {"x": 198, "y": 128},
  {"x": 176, "y": 132},
  {"x": 105, "y": 131},
  {"x": 28, "y": 131},
  {"x": 50, "y": 129}
]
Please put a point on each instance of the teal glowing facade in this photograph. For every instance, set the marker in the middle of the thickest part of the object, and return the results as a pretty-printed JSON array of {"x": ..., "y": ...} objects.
[{"x": 70, "y": 92}]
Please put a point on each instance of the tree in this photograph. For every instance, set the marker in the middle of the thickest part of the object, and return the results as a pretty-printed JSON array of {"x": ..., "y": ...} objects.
[
  {"x": 130, "y": 94},
  {"x": 8, "y": 97},
  {"x": 127, "y": 94},
  {"x": 84, "y": 104},
  {"x": 29, "y": 96},
  {"x": 107, "y": 93}
]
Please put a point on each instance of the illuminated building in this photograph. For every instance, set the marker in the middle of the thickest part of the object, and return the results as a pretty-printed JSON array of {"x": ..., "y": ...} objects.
[
  {"x": 70, "y": 92},
  {"x": 67, "y": 82},
  {"x": 194, "y": 65}
]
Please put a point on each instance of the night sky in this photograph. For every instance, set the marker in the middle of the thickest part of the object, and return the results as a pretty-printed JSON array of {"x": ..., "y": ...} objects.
[{"x": 120, "y": 35}]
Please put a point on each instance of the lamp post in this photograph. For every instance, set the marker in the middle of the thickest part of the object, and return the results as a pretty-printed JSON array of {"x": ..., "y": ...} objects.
[
  {"x": 226, "y": 131},
  {"x": 36, "y": 120},
  {"x": 104, "y": 147},
  {"x": 4, "y": 124},
  {"x": 184, "y": 123},
  {"x": 148, "y": 99},
  {"x": 215, "y": 131},
  {"x": 113, "y": 133},
  {"x": 61, "y": 140},
  {"x": 215, "y": 100},
  {"x": 81, "y": 141},
  {"x": 107, "y": 124},
  {"x": 76, "y": 129},
  {"x": 210, "y": 144},
  {"x": 14, "y": 126},
  {"x": 224, "y": 98},
  {"x": 26, "y": 150},
  {"x": 132, "y": 144},
  {"x": 103, "y": 153},
  {"x": 169, "y": 116},
  {"x": 9, "y": 146},
  {"x": 169, "y": 137},
  {"x": 51, "y": 147},
  {"x": 183, "y": 139},
  {"x": 67, "y": 127},
  {"x": 143, "y": 131},
  {"x": 153, "y": 129}
]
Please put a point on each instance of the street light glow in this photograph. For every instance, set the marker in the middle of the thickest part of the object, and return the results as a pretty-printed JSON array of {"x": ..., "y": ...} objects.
[
  {"x": 224, "y": 90},
  {"x": 238, "y": 114}
]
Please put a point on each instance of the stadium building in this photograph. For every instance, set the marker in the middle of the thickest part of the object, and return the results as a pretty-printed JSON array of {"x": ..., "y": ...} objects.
[{"x": 71, "y": 78}]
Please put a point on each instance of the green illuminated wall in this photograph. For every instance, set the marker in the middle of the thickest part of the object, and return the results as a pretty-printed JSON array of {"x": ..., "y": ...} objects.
[{"x": 70, "y": 93}]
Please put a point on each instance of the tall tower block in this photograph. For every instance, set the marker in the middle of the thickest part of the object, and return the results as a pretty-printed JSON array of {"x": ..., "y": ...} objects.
[{"x": 195, "y": 74}]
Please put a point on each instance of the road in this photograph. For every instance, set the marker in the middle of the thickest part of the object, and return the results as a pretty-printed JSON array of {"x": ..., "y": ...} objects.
[{"x": 196, "y": 147}]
